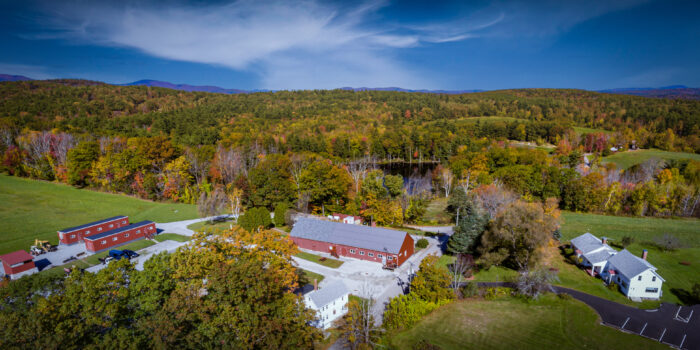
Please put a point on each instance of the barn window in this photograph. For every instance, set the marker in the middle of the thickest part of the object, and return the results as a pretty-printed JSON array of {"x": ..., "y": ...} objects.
[
  {"x": 370, "y": 254},
  {"x": 115, "y": 238},
  {"x": 138, "y": 231},
  {"x": 380, "y": 256},
  {"x": 111, "y": 225},
  {"x": 72, "y": 236},
  {"x": 391, "y": 258},
  {"x": 87, "y": 232},
  {"x": 99, "y": 229},
  {"x": 123, "y": 221},
  {"x": 362, "y": 253},
  {"x": 126, "y": 235},
  {"x": 104, "y": 241},
  {"x": 352, "y": 251}
]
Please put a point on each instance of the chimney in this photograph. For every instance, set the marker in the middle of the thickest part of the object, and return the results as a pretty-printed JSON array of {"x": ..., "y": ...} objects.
[
  {"x": 315, "y": 284},
  {"x": 644, "y": 254},
  {"x": 605, "y": 240}
]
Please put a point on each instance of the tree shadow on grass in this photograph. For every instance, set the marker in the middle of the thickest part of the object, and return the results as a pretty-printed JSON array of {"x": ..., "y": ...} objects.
[{"x": 686, "y": 297}]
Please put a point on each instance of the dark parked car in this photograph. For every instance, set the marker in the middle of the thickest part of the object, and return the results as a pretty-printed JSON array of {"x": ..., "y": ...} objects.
[{"x": 130, "y": 253}]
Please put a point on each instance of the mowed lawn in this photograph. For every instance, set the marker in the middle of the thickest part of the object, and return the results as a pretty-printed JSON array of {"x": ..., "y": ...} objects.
[
  {"x": 436, "y": 212},
  {"x": 627, "y": 159},
  {"x": 31, "y": 209},
  {"x": 678, "y": 276},
  {"x": 511, "y": 323}
]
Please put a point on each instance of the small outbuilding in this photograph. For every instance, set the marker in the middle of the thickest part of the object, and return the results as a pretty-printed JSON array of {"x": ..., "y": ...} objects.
[
  {"x": 386, "y": 246},
  {"x": 18, "y": 264}
]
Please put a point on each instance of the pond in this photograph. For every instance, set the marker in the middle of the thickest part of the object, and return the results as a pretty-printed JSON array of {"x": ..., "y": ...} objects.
[{"x": 417, "y": 177}]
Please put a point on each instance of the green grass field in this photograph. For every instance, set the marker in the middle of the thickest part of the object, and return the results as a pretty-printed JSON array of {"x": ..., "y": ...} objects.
[
  {"x": 332, "y": 263},
  {"x": 32, "y": 209},
  {"x": 172, "y": 237},
  {"x": 582, "y": 130},
  {"x": 624, "y": 160},
  {"x": 307, "y": 277},
  {"x": 512, "y": 323}
]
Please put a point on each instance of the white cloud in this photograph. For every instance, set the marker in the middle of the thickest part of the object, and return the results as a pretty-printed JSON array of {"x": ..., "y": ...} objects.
[{"x": 300, "y": 44}]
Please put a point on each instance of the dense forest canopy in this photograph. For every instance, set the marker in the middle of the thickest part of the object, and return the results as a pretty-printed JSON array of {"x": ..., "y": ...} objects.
[{"x": 343, "y": 123}]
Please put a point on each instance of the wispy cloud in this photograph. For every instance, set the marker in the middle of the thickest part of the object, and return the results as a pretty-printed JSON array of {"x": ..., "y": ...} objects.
[{"x": 300, "y": 44}]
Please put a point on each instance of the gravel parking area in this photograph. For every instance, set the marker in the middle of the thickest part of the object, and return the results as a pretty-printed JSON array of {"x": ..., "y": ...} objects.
[{"x": 145, "y": 254}]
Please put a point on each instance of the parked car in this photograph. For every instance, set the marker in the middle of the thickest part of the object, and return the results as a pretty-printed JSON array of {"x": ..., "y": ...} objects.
[{"x": 130, "y": 253}]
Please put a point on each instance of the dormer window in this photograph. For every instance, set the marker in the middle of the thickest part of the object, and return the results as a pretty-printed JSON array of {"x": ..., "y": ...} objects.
[
  {"x": 639, "y": 278},
  {"x": 653, "y": 279}
]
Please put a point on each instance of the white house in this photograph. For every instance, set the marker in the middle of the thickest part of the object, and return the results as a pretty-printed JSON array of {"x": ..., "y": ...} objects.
[
  {"x": 636, "y": 277},
  {"x": 593, "y": 252},
  {"x": 329, "y": 302},
  {"x": 346, "y": 219}
]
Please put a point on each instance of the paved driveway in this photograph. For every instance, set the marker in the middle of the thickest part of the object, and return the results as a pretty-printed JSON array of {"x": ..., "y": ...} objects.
[
  {"x": 145, "y": 254},
  {"x": 180, "y": 227}
]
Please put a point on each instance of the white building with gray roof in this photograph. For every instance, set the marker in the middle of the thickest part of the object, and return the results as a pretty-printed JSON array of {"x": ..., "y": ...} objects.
[
  {"x": 329, "y": 302},
  {"x": 636, "y": 277},
  {"x": 592, "y": 252}
]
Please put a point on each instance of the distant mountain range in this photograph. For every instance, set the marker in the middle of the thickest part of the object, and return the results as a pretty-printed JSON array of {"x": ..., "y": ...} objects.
[{"x": 673, "y": 92}]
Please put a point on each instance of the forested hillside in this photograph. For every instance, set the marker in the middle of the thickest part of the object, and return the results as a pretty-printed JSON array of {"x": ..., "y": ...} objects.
[{"x": 313, "y": 150}]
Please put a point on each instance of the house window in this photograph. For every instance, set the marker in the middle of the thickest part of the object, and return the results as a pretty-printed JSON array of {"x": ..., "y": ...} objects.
[
  {"x": 652, "y": 290},
  {"x": 115, "y": 238},
  {"x": 639, "y": 278},
  {"x": 104, "y": 241},
  {"x": 352, "y": 251},
  {"x": 362, "y": 253},
  {"x": 370, "y": 254},
  {"x": 653, "y": 279}
]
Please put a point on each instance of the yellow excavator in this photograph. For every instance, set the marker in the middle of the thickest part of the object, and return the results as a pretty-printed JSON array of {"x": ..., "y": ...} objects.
[{"x": 41, "y": 247}]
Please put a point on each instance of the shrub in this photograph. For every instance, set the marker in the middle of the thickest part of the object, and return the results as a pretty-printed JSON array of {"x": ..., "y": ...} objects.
[
  {"x": 565, "y": 296},
  {"x": 422, "y": 243},
  {"x": 425, "y": 345},
  {"x": 404, "y": 311},
  {"x": 497, "y": 292},
  {"x": 280, "y": 211},
  {"x": 613, "y": 286},
  {"x": 557, "y": 234},
  {"x": 469, "y": 290}
]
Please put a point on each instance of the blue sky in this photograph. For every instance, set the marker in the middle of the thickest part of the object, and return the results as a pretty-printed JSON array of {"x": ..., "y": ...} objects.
[{"x": 322, "y": 44}]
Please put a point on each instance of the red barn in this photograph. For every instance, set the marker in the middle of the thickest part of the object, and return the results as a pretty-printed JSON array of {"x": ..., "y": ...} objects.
[
  {"x": 355, "y": 241},
  {"x": 76, "y": 234},
  {"x": 18, "y": 264},
  {"x": 126, "y": 234}
]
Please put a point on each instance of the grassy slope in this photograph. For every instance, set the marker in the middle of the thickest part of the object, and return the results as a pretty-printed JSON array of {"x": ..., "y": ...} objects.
[
  {"x": 550, "y": 323},
  {"x": 627, "y": 159},
  {"x": 436, "y": 212},
  {"x": 32, "y": 209},
  {"x": 211, "y": 228},
  {"x": 582, "y": 130}
]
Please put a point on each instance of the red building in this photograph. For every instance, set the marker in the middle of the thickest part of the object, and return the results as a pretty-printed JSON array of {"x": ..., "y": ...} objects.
[
  {"x": 76, "y": 234},
  {"x": 355, "y": 241},
  {"x": 18, "y": 264},
  {"x": 126, "y": 234}
]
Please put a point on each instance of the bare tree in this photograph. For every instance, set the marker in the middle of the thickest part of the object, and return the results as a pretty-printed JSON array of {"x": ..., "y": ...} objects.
[
  {"x": 461, "y": 265},
  {"x": 360, "y": 329},
  {"x": 298, "y": 164},
  {"x": 7, "y": 137},
  {"x": 231, "y": 163},
  {"x": 358, "y": 170},
  {"x": 235, "y": 201},
  {"x": 404, "y": 202},
  {"x": 62, "y": 144},
  {"x": 532, "y": 284},
  {"x": 494, "y": 197},
  {"x": 446, "y": 179},
  {"x": 199, "y": 166}
]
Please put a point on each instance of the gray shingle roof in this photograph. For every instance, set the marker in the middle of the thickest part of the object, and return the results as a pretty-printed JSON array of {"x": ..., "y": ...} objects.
[
  {"x": 327, "y": 294},
  {"x": 586, "y": 242},
  {"x": 600, "y": 256},
  {"x": 374, "y": 238},
  {"x": 629, "y": 264}
]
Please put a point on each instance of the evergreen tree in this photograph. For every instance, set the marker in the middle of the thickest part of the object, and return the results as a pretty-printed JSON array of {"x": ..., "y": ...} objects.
[{"x": 467, "y": 233}]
